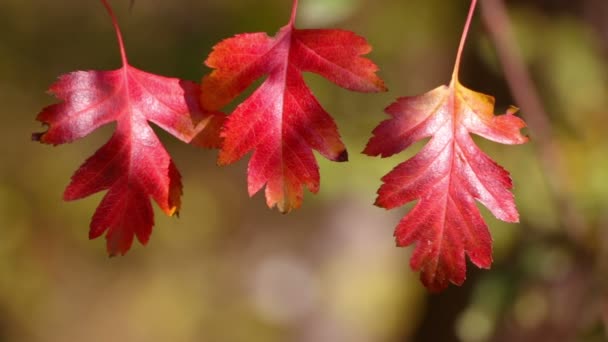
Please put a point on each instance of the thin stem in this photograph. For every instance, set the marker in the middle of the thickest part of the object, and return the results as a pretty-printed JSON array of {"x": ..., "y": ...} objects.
[
  {"x": 294, "y": 11},
  {"x": 121, "y": 45},
  {"x": 494, "y": 14},
  {"x": 463, "y": 39}
]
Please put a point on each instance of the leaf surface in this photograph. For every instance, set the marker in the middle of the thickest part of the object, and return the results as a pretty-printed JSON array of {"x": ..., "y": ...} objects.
[
  {"x": 133, "y": 165},
  {"x": 446, "y": 178},
  {"x": 282, "y": 122}
]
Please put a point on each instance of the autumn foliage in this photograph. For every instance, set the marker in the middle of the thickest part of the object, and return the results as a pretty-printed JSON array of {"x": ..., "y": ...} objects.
[
  {"x": 281, "y": 123},
  {"x": 133, "y": 166},
  {"x": 446, "y": 177}
]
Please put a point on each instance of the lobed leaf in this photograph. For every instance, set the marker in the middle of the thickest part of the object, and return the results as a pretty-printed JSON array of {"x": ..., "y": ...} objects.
[
  {"x": 133, "y": 165},
  {"x": 282, "y": 122}
]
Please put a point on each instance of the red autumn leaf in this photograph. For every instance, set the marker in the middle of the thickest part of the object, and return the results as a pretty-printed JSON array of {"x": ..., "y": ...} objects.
[
  {"x": 282, "y": 122},
  {"x": 133, "y": 166},
  {"x": 446, "y": 177}
]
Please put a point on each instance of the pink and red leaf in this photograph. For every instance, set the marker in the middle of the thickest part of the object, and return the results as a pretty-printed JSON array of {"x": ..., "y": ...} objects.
[
  {"x": 446, "y": 177},
  {"x": 282, "y": 122},
  {"x": 133, "y": 166}
]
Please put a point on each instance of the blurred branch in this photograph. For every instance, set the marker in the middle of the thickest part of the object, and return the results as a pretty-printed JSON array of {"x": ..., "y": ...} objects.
[
  {"x": 496, "y": 19},
  {"x": 596, "y": 12}
]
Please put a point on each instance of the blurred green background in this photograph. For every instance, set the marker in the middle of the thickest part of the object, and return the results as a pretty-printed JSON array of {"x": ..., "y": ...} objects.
[{"x": 230, "y": 269}]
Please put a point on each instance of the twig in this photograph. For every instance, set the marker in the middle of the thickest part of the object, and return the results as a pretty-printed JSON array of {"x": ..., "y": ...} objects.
[{"x": 497, "y": 22}]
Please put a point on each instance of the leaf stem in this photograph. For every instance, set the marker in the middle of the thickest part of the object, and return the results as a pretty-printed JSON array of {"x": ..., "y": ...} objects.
[
  {"x": 121, "y": 45},
  {"x": 294, "y": 11},
  {"x": 463, "y": 39}
]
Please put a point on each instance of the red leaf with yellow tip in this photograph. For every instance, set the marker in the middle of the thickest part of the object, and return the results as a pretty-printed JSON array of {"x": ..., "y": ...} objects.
[
  {"x": 446, "y": 177},
  {"x": 282, "y": 122},
  {"x": 133, "y": 166}
]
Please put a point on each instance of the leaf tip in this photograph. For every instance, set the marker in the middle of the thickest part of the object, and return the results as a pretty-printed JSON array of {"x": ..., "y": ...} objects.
[
  {"x": 382, "y": 88},
  {"x": 37, "y": 136},
  {"x": 284, "y": 207},
  {"x": 369, "y": 150},
  {"x": 343, "y": 156},
  {"x": 173, "y": 211},
  {"x": 377, "y": 203}
]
